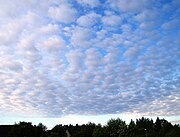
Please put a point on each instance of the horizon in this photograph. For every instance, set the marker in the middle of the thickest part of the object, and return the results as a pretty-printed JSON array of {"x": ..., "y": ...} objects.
[
  {"x": 89, "y": 60},
  {"x": 80, "y": 120}
]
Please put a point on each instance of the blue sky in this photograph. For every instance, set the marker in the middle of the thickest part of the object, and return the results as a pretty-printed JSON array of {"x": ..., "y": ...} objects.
[{"x": 64, "y": 61}]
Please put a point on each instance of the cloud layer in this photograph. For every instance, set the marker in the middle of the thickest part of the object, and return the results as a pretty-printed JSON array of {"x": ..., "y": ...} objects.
[{"x": 89, "y": 57}]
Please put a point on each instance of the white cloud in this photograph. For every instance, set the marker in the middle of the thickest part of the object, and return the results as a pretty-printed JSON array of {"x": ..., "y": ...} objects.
[
  {"x": 49, "y": 29},
  {"x": 93, "y": 58},
  {"x": 81, "y": 37},
  {"x": 112, "y": 20},
  {"x": 10, "y": 9},
  {"x": 172, "y": 24},
  {"x": 146, "y": 16},
  {"x": 9, "y": 65},
  {"x": 8, "y": 31},
  {"x": 88, "y": 20},
  {"x": 75, "y": 60},
  {"x": 54, "y": 43},
  {"x": 131, "y": 5},
  {"x": 132, "y": 52},
  {"x": 148, "y": 25},
  {"x": 64, "y": 13},
  {"x": 91, "y": 3}
]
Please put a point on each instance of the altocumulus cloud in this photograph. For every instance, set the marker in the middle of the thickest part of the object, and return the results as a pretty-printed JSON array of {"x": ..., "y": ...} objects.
[{"x": 89, "y": 57}]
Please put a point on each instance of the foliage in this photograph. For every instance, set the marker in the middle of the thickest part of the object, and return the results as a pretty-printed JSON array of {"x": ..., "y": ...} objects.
[
  {"x": 26, "y": 129},
  {"x": 142, "y": 127},
  {"x": 116, "y": 128}
]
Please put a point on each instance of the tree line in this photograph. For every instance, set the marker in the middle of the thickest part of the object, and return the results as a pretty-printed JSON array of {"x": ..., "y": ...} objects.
[{"x": 143, "y": 127}]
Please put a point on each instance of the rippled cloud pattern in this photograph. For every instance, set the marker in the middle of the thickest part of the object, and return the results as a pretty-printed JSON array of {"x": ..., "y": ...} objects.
[{"x": 89, "y": 57}]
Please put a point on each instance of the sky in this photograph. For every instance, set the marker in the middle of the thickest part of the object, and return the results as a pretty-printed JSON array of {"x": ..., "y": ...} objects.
[{"x": 74, "y": 61}]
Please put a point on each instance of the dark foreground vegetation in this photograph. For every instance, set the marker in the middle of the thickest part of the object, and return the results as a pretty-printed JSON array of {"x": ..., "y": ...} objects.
[{"x": 143, "y": 127}]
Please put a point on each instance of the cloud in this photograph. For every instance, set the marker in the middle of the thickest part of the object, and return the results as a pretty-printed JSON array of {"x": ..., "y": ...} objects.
[
  {"x": 49, "y": 29},
  {"x": 91, "y": 3},
  {"x": 88, "y": 20},
  {"x": 54, "y": 43},
  {"x": 10, "y": 8},
  {"x": 93, "y": 58},
  {"x": 145, "y": 16},
  {"x": 9, "y": 31},
  {"x": 58, "y": 59},
  {"x": 112, "y": 20},
  {"x": 64, "y": 13},
  {"x": 81, "y": 37},
  {"x": 173, "y": 24},
  {"x": 131, "y": 5},
  {"x": 10, "y": 65}
]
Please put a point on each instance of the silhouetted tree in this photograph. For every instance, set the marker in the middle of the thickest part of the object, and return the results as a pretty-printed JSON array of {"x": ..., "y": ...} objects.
[
  {"x": 132, "y": 129},
  {"x": 58, "y": 131},
  {"x": 117, "y": 128},
  {"x": 100, "y": 131},
  {"x": 23, "y": 129},
  {"x": 41, "y": 130},
  {"x": 173, "y": 132}
]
